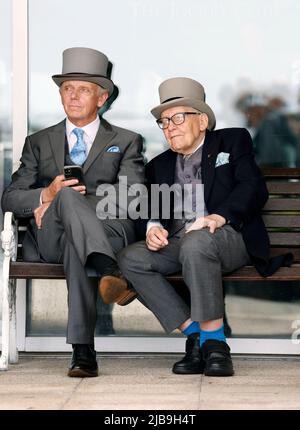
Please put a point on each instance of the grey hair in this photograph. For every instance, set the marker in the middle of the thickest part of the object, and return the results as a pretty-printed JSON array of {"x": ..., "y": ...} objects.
[{"x": 101, "y": 91}]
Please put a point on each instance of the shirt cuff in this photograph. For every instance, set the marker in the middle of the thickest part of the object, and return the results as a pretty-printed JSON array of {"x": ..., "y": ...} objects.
[{"x": 153, "y": 224}]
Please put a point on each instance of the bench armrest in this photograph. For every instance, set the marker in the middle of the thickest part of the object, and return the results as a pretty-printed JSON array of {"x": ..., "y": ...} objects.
[{"x": 9, "y": 236}]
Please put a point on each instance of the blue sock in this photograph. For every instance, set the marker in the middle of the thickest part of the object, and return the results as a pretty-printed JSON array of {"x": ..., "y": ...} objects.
[
  {"x": 192, "y": 328},
  {"x": 213, "y": 334}
]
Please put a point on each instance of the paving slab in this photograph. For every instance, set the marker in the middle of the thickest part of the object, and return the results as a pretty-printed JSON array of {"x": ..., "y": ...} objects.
[{"x": 146, "y": 382}]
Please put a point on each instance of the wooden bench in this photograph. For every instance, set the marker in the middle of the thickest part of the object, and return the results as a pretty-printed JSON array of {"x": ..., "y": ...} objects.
[{"x": 281, "y": 215}]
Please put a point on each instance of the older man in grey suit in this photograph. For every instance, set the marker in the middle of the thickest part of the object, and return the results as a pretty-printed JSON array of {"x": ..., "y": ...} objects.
[
  {"x": 65, "y": 224},
  {"x": 226, "y": 231}
]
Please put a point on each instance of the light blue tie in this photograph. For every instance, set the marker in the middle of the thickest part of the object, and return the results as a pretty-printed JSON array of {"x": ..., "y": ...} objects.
[{"x": 78, "y": 154}]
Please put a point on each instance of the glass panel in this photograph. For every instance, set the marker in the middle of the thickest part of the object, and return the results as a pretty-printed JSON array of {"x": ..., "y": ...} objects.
[
  {"x": 5, "y": 105},
  {"x": 5, "y": 96},
  {"x": 251, "y": 74},
  {"x": 262, "y": 309},
  {"x": 49, "y": 316}
]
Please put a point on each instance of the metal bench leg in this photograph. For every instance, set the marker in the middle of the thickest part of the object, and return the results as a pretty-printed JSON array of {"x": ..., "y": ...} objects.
[
  {"x": 5, "y": 315},
  {"x": 9, "y": 244},
  {"x": 13, "y": 352}
]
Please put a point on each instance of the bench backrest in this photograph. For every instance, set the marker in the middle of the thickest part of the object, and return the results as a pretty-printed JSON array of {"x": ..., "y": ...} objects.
[{"x": 282, "y": 211}]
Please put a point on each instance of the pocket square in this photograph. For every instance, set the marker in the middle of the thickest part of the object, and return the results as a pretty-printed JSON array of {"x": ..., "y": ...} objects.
[
  {"x": 113, "y": 149},
  {"x": 222, "y": 158}
]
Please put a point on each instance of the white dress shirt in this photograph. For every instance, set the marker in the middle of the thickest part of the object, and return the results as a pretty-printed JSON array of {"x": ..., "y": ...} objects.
[{"x": 90, "y": 131}]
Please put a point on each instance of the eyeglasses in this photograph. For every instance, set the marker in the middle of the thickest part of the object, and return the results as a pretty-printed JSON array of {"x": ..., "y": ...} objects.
[{"x": 176, "y": 119}]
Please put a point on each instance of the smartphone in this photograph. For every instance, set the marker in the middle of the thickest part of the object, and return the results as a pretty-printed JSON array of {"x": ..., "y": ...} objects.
[{"x": 74, "y": 172}]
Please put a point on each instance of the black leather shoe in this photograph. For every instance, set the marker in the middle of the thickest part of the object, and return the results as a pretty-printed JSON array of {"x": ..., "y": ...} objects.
[
  {"x": 192, "y": 362},
  {"x": 83, "y": 362},
  {"x": 217, "y": 358}
]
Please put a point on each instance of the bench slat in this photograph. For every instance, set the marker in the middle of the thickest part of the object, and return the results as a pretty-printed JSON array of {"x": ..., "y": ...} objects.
[
  {"x": 282, "y": 220},
  {"x": 283, "y": 187},
  {"x": 281, "y": 172},
  {"x": 282, "y": 205},
  {"x": 286, "y": 238},
  {"x": 280, "y": 251},
  {"x": 249, "y": 273},
  {"x": 25, "y": 270}
]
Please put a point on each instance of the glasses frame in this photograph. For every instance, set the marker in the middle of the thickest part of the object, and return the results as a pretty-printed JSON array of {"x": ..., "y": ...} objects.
[{"x": 161, "y": 125}]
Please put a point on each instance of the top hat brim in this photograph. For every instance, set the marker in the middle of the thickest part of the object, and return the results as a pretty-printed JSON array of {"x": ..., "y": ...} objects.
[
  {"x": 104, "y": 82},
  {"x": 185, "y": 101}
]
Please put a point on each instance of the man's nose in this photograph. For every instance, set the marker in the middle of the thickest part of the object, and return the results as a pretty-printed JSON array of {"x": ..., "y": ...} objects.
[
  {"x": 75, "y": 94},
  {"x": 171, "y": 126}
]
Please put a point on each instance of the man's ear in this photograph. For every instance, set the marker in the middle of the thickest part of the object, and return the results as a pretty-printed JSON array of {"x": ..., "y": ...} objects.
[
  {"x": 203, "y": 118},
  {"x": 102, "y": 99}
]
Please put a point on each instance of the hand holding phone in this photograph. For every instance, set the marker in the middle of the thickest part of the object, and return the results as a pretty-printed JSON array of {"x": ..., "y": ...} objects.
[{"x": 74, "y": 172}]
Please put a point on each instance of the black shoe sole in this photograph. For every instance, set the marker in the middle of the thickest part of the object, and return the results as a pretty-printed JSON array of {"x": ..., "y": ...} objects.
[
  {"x": 218, "y": 372},
  {"x": 82, "y": 373},
  {"x": 188, "y": 372},
  {"x": 198, "y": 371}
]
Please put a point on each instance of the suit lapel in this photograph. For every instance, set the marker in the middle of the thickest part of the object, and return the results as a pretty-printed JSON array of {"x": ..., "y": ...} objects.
[
  {"x": 166, "y": 173},
  {"x": 57, "y": 142},
  {"x": 209, "y": 156},
  {"x": 104, "y": 135}
]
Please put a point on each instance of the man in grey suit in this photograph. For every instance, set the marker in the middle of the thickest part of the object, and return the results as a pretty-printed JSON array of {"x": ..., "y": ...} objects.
[{"x": 66, "y": 224}]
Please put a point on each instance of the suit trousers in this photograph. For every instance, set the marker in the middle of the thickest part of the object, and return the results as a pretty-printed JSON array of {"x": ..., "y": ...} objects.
[
  {"x": 201, "y": 256},
  {"x": 70, "y": 232}
]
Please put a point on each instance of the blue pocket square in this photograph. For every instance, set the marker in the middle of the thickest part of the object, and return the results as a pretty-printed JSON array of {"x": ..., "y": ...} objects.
[
  {"x": 113, "y": 149},
  {"x": 222, "y": 158}
]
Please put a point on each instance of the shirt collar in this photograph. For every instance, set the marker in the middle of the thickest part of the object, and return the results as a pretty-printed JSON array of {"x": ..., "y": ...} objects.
[
  {"x": 199, "y": 146},
  {"x": 90, "y": 129}
]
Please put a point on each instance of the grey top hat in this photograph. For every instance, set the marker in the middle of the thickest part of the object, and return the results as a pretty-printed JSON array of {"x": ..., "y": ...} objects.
[
  {"x": 85, "y": 64},
  {"x": 183, "y": 92}
]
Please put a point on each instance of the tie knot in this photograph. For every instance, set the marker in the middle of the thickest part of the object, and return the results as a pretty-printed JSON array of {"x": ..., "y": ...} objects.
[{"x": 78, "y": 133}]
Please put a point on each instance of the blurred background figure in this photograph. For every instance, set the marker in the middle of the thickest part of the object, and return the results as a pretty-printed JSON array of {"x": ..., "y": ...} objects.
[
  {"x": 275, "y": 129},
  {"x": 254, "y": 107}
]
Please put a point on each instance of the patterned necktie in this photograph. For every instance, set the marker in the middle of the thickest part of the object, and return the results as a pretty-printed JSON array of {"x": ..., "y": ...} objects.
[{"x": 78, "y": 154}]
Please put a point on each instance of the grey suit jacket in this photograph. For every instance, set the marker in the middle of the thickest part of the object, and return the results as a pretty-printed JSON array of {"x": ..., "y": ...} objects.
[{"x": 43, "y": 159}]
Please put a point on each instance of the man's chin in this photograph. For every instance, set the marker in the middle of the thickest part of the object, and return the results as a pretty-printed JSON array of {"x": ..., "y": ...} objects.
[
  {"x": 176, "y": 148},
  {"x": 73, "y": 116},
  {"x": 75, "y": 111}
]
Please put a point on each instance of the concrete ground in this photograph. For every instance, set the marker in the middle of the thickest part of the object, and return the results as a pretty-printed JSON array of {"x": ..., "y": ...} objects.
[{"x": 128, "y": 381}]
